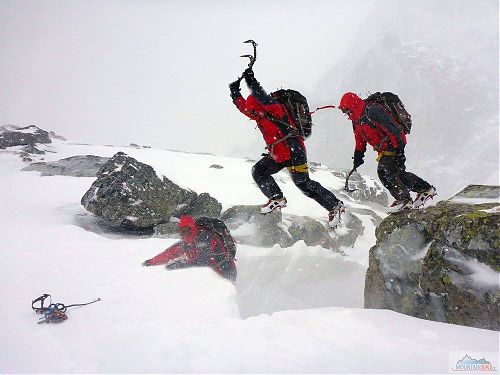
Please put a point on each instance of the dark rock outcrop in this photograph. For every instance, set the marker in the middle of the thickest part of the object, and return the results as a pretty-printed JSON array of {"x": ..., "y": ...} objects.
[
  {"x": 29, "y": 135},
  {"x": 33, "y": 150},
  {"x": 76, "y": 166},
  {"x": 129, "y": 194},
  {"x": 56, "y": 136},
  {"x": 441, "y": 263},
  {"x": 250, "y": 227},
  {"x": 365, "y": 188}
]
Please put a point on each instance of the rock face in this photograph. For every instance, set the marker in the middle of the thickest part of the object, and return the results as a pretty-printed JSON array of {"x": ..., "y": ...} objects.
[
  {"x": 129, "y": 194},
  {"x": 27, "y": 136},
  {"x": 365, "y": 188},
  {"x": 76, "y": 166},
  {"x": 250, "y": 227},
  {"x": 441, "y": 263}
]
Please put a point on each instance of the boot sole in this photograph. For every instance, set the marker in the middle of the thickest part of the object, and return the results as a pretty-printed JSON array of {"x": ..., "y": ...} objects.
[
  {"x": 430, "y": 197},
  {"x": 340, "y": 220}
]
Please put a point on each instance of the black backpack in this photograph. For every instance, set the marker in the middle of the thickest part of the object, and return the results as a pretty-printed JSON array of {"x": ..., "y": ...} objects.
[
  {"x": 296, "y": 105},
  {"x": 219, "y": 227},
  {"x": 394, "y": 106}
]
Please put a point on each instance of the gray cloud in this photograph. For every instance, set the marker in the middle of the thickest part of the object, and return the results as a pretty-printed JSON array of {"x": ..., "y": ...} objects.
[{"x": 156, "y": 72}]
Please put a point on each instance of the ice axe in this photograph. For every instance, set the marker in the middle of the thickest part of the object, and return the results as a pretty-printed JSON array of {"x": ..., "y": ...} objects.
[
  {"x": 346, "y": 186},
  {"x": 254, "y": 57}
]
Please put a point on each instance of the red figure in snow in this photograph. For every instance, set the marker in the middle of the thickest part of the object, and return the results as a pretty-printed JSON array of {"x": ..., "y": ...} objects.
[{"x": 199, "y": 247}]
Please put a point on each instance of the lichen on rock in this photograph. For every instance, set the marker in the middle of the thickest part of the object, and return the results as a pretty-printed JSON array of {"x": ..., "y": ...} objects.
[
  {"x": 440, "y": 263},
  {"x": 129, "y": 194}
]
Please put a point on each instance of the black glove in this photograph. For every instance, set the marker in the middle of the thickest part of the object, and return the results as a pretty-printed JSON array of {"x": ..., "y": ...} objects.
[
  {"x": 358, "y": 159},
  {"x": 234, "y": 87},
  {"x": 254, "y": 86},
  {"x": 146, "y": 263},
  {"x": 248, "y": 74}
]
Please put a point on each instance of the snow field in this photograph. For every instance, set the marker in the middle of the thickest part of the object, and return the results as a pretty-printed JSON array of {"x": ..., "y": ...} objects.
[{"x": 293, "y": 310}]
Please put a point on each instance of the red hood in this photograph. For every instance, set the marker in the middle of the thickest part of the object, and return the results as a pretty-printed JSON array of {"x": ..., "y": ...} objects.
[
  {"x": 354, "y": 104},
  {"x": 188, "y": 221}
]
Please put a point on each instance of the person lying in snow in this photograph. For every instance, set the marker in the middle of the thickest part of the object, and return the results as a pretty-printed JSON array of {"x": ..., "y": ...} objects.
[{"x": 202, "y": 245}]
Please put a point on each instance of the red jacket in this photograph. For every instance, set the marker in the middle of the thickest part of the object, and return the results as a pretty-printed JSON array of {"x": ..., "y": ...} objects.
[
  {"x": 372, "y": 125},
  {"x": 272, "y": 119},
  {"x": 200, "y": 248}
]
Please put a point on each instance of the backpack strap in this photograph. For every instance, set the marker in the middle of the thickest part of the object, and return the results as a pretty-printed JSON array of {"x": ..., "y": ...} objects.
[
  {"x": 373, "y": 125},
  {"x": 293, "y": 133},
  {"x": 299, "y": 119},
  {"x": 224, "y": 251}
]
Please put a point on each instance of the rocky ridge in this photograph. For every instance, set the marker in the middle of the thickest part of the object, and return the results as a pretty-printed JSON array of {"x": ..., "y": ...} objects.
[{"x": 441, "y": 263}]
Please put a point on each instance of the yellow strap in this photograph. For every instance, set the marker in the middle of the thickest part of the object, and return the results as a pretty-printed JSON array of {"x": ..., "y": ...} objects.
[
  {"x": 303, "y": 168},
  {"x": 382, "y": 153}
]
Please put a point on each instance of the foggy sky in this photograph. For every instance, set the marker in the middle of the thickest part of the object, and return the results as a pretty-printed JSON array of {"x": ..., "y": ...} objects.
[{"x": 157, "y": 72}]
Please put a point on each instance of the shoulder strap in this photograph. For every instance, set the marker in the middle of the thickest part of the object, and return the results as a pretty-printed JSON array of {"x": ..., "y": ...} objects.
[
  {"x": 225, "y": 252},
  {"x": 374, "y": 125},
  {"x": 291, "y": 131},
  {"x": 365, "y": 114}
]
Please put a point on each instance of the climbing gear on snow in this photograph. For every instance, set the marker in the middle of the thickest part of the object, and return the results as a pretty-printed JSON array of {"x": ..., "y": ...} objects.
[
  {"x": 52, "y": 315},
  {"x": 54, "y": 312}
]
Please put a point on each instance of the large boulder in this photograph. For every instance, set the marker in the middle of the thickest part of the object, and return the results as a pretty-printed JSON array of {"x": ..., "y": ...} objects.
[
  {"x": 441, "y": 263},
  {"x": 250, "y": 227},
  {"x": 129, "y": 194},
  {"x": 76, "y": 166},
  {"x": 27, "y": 136}
]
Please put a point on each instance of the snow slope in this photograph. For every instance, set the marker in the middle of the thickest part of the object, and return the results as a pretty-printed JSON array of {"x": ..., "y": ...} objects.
[{"x": 292, "y": 310}]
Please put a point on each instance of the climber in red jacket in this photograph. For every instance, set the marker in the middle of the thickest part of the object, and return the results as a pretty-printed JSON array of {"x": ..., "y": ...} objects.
[
  {"x": 286, "y": 150},
  {"x": 373, "y": 125},
  {"x": 199, "y": 247}
]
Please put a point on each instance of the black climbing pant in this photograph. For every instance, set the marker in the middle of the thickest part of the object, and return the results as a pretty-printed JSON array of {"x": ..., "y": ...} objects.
[
  {"x": 393, "y": 175},
  {"x": 263, "y": 170}
]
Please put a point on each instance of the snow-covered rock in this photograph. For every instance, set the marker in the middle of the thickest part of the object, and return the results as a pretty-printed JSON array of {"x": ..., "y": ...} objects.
[
  {"x": 29, "y": 135},
  {"x": 441, "y": 263},
  {"x": 250, "y": 227},
  {"x": 365, "y": 189},
  {"x": 76, "y": 166},
  {"x": 129, "y": 194},
  {"x": 294, "y": 309}
]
